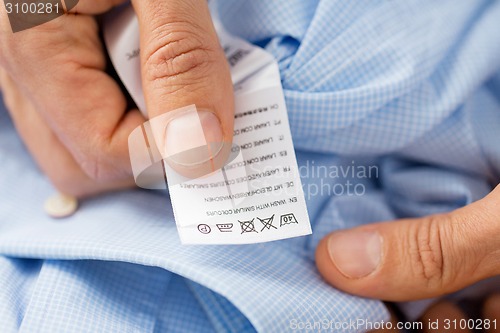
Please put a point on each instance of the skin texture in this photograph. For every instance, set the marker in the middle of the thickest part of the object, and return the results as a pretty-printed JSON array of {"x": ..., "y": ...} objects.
[
  {"x": 420, "y": 258},
  {"x": 73, "y": 117},
  {"x": 427, "y": 257}
]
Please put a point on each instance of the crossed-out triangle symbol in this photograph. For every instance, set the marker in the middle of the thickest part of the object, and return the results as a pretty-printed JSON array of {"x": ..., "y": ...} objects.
[{"x": 267, "y": 223}]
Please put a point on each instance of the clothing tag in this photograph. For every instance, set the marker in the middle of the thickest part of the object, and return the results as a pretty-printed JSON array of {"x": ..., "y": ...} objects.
[{"x": 257, "y": 196}]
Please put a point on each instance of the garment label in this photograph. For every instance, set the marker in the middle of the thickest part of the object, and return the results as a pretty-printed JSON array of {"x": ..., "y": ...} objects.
[{"x": 257, "y": 196}]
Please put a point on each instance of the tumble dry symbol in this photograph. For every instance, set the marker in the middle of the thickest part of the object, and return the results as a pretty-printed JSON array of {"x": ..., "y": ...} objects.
[
  {"x": 288, "y": 219},
  {"x": 247, "y": 226},
  {"x": 267, "y": 223}
]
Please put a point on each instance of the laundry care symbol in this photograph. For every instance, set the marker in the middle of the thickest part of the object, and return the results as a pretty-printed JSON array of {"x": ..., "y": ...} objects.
[
  {"x": 204, "y": 228},
  {"x": 225, "y": 227},
  {"x": 247, "y": 226},
  {"x": 288, "y": 219},
  {"x": 267, "y": 223}
]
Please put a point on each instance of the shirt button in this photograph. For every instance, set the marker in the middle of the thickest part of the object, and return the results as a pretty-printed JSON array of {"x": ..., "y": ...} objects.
[{"x": 60, "y": 206}]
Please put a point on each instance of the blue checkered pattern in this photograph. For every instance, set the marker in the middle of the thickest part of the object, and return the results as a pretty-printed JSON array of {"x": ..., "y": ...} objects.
[{"x": 411, "y": 88}]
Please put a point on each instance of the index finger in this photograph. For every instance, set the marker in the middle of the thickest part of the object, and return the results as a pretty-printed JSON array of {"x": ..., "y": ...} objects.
[{"x": 183, "y": 64}]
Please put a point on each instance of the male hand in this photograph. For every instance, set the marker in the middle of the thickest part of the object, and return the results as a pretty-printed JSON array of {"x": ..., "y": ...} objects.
[
  {"x": 420, "y": 258},
  {"x": 73, "y": 117}
]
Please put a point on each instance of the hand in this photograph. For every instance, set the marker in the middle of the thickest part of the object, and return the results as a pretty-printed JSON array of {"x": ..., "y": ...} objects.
[
  {"x": 420, "y": 258},
  {"x": 73, "y": 117}
]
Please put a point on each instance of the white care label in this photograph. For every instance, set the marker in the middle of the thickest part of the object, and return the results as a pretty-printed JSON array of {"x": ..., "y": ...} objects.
[{"x": 257, "y": 196}]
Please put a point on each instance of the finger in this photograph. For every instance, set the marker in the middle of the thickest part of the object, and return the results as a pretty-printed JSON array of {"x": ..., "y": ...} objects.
[
  {"x": 415, "y": 258},
  {"x": 444, "y": 317},
  {"x": 90, "y": 7},
  {"x": 83, "y": 106},
  {"x": 51, "y": 156},
  {"x": 491, "y": 312},
  {"x": 183, "y": 64}
]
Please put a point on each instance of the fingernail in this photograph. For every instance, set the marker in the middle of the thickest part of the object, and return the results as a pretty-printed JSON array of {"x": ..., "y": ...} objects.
[
  {"x": 193, "y": 138},
  {"x": 355, "y": 253}
]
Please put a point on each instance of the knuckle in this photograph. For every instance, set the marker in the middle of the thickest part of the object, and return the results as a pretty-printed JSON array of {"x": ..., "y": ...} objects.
[
  {"x": 66, "y": 183},
  {"x": 81, "y": 176},
  {"x": 177, "y": 57},
  {"x": 97, "y": 168},
  {"x": 41, "y": 41},
  {"x": 68, "y": 180},
  {"x": 93, "y": 163},
  {"x": 427, "y": 245},
  {"x": 101, "y": 163},
  {"x": 92, "y": 168}
]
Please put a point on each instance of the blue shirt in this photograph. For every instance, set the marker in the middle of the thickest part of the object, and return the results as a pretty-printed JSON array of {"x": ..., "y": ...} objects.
[{"x": 408, "y": 89}]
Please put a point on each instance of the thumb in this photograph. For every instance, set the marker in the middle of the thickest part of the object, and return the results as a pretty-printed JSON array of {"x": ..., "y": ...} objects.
[
  {"x": 416, "y": 258},
  {"x": 183, "y": 64}
]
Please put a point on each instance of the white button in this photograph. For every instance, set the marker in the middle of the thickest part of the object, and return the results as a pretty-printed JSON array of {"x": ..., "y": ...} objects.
[{"x": 61, "y": 205}]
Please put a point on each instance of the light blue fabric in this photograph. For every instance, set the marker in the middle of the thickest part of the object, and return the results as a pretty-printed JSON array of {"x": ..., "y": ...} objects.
[{"x": 411, "y": 88}]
